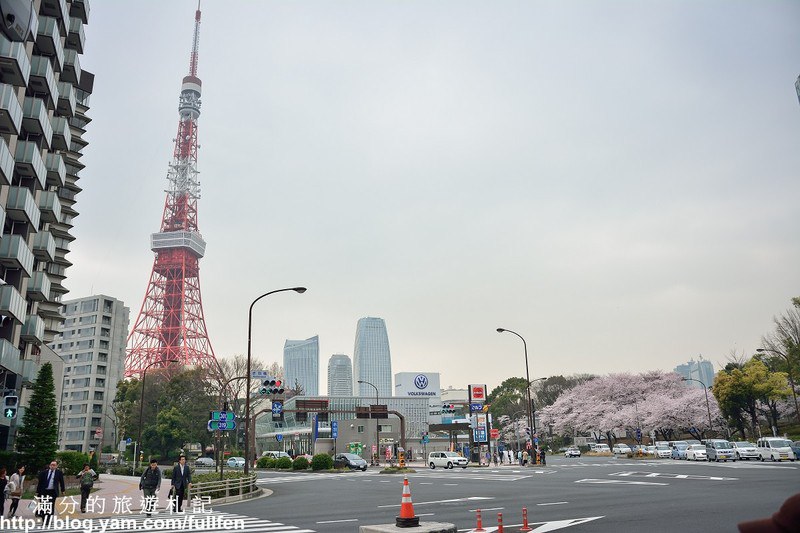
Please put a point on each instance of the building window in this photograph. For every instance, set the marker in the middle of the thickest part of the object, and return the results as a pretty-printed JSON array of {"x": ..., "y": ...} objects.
[
  {"x": 101, "y": 370},
  {"x": 385, "y": 428},
  {"x": 96, "y": 421},
  {"x": 80, "y": 395},
  {"x": 97, "y": 408},
  {"x": 77, "y": 409},
  {"x": 76, "y": 422},
  {"x": 81, "y": 382},
  {"x": 98, "y": 395},
  {"x": 102, "y": 357},
  {"x": 361, "y": 429},
  {"x": 89, "y": 306},
  {"x": 99, "y": 382},
  {"x": 106, "y": 320},
  {"x": 104, "y": 345},
  {"x": 105, "y": 332},
  {"x": 75, "y": 435},
  {"x": 108, "y": 306}
]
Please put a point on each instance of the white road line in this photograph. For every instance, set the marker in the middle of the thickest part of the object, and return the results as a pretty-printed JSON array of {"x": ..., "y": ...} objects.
[
  {"x": 424, "y": 514},
  {"x": 424, "y": 483},
  {"x": 470, "y": 499},
  {"x": 337, "y": 521},
  {"x": 617, "y": 482},
  {"x": 552, "y": 503},
  {"x": 450, "y": 484},
  {"x": 489, "y": 509}
]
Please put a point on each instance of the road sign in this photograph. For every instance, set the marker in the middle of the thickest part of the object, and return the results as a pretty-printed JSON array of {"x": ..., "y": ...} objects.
[
  {"x": 475, "y": 407},
  {"x": 494, "y": 433},
  {"x": 259, "y": 374},
  {"x": 425, "y": 439},
  {"x": 278, "y": 437},
  {"x": 334, "y": 429},
  {"x": 228, "y": 425},
  {"x": 223, "y": 416},
  {"x": 277, "y": 408},
  {"x": 128, "y": 441}
]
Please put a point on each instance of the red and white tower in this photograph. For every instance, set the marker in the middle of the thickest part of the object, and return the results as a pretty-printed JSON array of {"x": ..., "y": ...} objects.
[{"x": 170, "y": 328}]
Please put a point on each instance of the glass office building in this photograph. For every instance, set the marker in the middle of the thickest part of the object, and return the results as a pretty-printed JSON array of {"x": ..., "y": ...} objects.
[
  {"x": 340, "y": 376},
  {"x": 372, "y": 361},
  {"x": 301, "y": 365},
  {"x": 700, "y": 370}
]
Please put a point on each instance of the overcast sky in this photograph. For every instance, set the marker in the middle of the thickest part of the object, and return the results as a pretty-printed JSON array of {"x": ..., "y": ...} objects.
[{"x": 615, "y": 181}]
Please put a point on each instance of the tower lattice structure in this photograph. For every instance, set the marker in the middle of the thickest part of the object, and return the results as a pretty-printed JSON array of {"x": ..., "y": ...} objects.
[{"x": 170, "y": 330}]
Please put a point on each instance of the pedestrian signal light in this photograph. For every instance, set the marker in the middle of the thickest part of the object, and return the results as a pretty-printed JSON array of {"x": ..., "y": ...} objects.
[{"x": 10, "y": 404}]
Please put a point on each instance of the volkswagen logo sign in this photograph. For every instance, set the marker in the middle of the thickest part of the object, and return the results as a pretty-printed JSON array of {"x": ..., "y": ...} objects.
[{"x": 421, "y": 381}]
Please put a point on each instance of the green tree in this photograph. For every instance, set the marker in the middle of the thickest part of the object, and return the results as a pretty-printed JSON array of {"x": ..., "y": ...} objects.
[
  {"x": 37, "y": 439},
  {"x": 508, "y": 398}
]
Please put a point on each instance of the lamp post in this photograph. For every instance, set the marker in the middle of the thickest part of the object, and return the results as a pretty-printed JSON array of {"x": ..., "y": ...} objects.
[
  {"x": 789, "y": 373},
  {"x": 527, "y": 378},
  {"x": 247, "y": 420},
  {"x": 708, "y": 408},
  {"x": 376, "y": 459},
  {"x": 141, "y": 400}
]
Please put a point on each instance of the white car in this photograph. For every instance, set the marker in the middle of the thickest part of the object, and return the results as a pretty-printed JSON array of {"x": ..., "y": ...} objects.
[
  {"x": 745, "y": 450},
  {"x": 446, "y": 460},
  {"x": 621, "y": 448},
  {"x": 602, "y": 448},
  {"x": 204, "y": 462},
  {"x": 236, "y": 462},
  {"x": 696, "y": 452},
  {"x": 663, "y": 451},
  {"x": 275, "y": 455},
  {"x": 572, "y": 451},
  {"x": 775, "y": 449}
]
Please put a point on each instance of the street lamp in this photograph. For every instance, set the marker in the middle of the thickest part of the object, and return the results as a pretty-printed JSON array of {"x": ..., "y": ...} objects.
[
  {"x": 141, "y": 399},
  {"x": 708, "y": 408},
  {"x": 789, "y": 373},
  {"x": 527, "y": 378},
  {"x": 377, "y": 424},
  {"x": 300, "y": 290}
]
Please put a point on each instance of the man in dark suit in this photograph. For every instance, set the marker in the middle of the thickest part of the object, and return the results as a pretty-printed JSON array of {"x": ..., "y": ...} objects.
[
  {"x": 181, "y": 480},
  {"x": 51, "y": 484}
]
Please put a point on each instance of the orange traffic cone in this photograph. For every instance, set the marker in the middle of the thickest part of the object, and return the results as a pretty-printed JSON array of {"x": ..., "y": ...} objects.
[{"x": 406, "y": 518}]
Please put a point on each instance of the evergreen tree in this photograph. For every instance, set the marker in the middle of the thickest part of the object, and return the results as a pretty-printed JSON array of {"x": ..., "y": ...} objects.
[{"x": 37, "y": 439}]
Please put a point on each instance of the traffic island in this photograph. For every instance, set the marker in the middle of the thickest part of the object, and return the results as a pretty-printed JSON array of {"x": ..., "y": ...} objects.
[
  {"x": 397, "y": 470},
  {"x": 423, "y": 527}
]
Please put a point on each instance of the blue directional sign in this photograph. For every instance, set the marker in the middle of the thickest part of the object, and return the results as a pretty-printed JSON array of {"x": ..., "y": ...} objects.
[
  {"x": 334, "y": 429},
  {"x": 259, "y": 374},
  {"x": 128, "y": 441},
  {"x": 277, "y": 408},
  {"x": 228, "y": 425},
  {"x": 425, "y": 439},
  {"x": 278, "y": 437},
  {"x": 480, "y": 435},
  {"x": 475, "y": 407}
]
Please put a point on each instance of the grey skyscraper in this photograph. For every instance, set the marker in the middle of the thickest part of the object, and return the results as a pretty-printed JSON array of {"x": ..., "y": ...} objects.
[
  {"x": 700, "y": 370},
  {"x": 301, "y": 365},
  {"x": 340, "y": 376},
  {"x": 372, "y": 361}
]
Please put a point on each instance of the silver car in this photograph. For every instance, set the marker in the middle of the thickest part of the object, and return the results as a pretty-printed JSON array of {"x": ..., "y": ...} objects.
[{"x": 745, "y": 450}]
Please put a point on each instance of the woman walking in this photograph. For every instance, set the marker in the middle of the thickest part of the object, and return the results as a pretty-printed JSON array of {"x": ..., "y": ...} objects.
[{"x": 15, "y": 489}]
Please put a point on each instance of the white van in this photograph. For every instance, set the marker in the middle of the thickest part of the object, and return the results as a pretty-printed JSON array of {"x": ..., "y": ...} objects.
[
  {"x": 774, "y": 449},
  {"x": 275, "y": 455}
]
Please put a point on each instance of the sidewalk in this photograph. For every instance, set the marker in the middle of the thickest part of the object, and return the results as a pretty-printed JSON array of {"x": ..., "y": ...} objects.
[{"x": 110, "y": 488}]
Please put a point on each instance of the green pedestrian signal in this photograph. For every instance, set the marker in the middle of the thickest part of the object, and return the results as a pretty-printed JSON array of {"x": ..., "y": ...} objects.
[{"x": 10, "y": 406}]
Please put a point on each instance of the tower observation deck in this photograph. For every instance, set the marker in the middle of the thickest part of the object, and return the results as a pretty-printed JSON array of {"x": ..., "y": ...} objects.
[{"x": 170, "y": 330}]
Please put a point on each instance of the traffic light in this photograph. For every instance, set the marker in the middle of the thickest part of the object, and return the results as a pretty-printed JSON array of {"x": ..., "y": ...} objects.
[
  {"x": 10, "y": 404},
  {"x": 271, "y": 386},
  {"x": 448, "y": 408}
]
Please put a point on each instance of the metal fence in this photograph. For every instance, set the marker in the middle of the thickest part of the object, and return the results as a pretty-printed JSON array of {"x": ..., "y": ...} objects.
[{"x": 226, "y": 490}]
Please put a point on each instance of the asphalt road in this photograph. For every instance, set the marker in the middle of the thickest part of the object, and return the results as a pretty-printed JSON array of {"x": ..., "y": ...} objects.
[{"x": 579, "y": 494}]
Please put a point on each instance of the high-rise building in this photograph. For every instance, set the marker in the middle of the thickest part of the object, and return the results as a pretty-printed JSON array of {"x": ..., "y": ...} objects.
[
  {"x": 701, "y": 370},
  {"x": 372, "y": 361},
  {"x": 301, "y": 365},
  {"x": 44, "y": 100},
  {"x": 92, "y": 345},
  {"x": 340, "y": 376}
]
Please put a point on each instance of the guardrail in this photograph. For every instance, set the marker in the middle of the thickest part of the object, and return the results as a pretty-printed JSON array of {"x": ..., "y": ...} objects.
[{"x": 227, "y": 490}]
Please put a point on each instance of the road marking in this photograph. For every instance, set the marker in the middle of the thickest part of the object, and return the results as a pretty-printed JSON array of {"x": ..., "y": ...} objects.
[
  {"x": 489, "y": 509},
  {"x": 672, "y": 476},
  {"x": 617, "y": 482},
  {"x": 426, "y": 483},
  {"x": 552, "y": 503},
  {"x": 337, "y": 521},
  {"x": 249, "y": 524},
  {"x": 424, "y": 514},
  {"x": 470, "y": 499},
  {"x": 450, "y": 484}
]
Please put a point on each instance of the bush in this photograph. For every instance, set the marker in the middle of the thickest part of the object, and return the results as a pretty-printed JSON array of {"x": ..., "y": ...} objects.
[
  {"x": 300, "y": 463},
  {"x": 266, "y": 462},
  {"x": 321, "y": 461},
  {"x": 283, "y": 462},
  {"x": 71, "y": 462}
]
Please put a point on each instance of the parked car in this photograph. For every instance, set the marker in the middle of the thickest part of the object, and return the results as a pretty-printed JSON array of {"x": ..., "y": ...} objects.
[
  {"x": 620, "y": 449},
  {"x": 236, "y": 462},
  {"x": 446, "y": 460},
  {"x": 679, "y": 451},
  {"x": 650, "y": 450},
  {"x": 745, "y": 450},
  {"x": 796, "y": 449},
  {"x": 349, "y": 460},
  {"x": 696, "y": 452},
  {"x": 275, "y": 454},
  {"x": 204, "y": 462},
  {"x": 719, "y": 450},
  {"x": 602, "y": 448},
  {"x": 775, "y": 449},
  {"x": 663, "y": 452},
  {"x": 572, "y": 451}
]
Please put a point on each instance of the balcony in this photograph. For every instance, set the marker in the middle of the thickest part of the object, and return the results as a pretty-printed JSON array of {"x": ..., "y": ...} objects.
[
  {"x": 6, "y": 164},
  {"x": 2, "y": 217},
  {"x": 35, "y": 120},
  {"x": 72, "y": 67},
  {"x": 62, "y": 135},
  {"x": 48, "y": 41},
  {"x": 12, "y": 304},
  {"x": 38, "y": 287},
  {"x": 42, "y": 79},
  {"x": 21, "y": 206},
  {"x": 50, "y": 206},
  {"x": 9, "y": 356},
  {"x": 75, "y": 35},
  {"x": 15, "y": 68},
  {"x": 56, "y": 9},
  {"x": 44, "y": 246},
  {"x": 28, "y": 162},
  {"x": 14, "y": 253},
  {"x": 33, "y": 330},
  {"x": 80, "y": 9},
  {"x": 10, "y": 110},
  {"x": 56, "y": 169},
  {"x": 66, "y": 99}
]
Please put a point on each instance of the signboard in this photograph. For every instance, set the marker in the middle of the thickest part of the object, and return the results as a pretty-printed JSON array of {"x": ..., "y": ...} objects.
[
  {"x": 477, "y": 393},
  {"x": 214, "y": 425},
  {"x": 425, "y": 439},
  {"x": 278, "y": 437},
  {"x": 259, "y": 374},
  {"x": 312, "y": 405},
  {"x": 480, "y": 435},
  {"x": 475, "y": 407},
  {"x": 334, "y": 429},
  {"x": 416, "y": 384},
  {"x": 494, "y": 433},
  {"x": 222, "y": 416},
  {"x": 277, "y": 407}
]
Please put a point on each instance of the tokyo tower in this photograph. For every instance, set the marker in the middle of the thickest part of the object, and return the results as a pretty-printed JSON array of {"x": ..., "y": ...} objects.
[{"x": 170, "y": 329}]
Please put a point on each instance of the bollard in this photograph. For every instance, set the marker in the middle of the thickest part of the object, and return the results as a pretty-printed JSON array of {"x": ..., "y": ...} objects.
[
  {"x": 525, "y": 526},
  {"x": 499, "y": 522},
  {"x": 479, "y": 527}
]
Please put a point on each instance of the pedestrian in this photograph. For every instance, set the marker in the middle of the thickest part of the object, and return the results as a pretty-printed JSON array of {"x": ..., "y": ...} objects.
[
  {"x": 510, "y": 456},
  {"x": 488, "y": 458},
  {"x": 542, "y": 457},
  {"x": 15, "y": 489},
  {"x": 494, "y": 458},
  {"x": 149, "y": 485},
  {"x": 87, "y": 477},
  {"x": 50, "y": 485},
  {"x": 4, "y": 490},
  {"x": 519, "y": 457},
  {"x": 181, "y": 480},
  {"x": 525, "y": 458}
]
